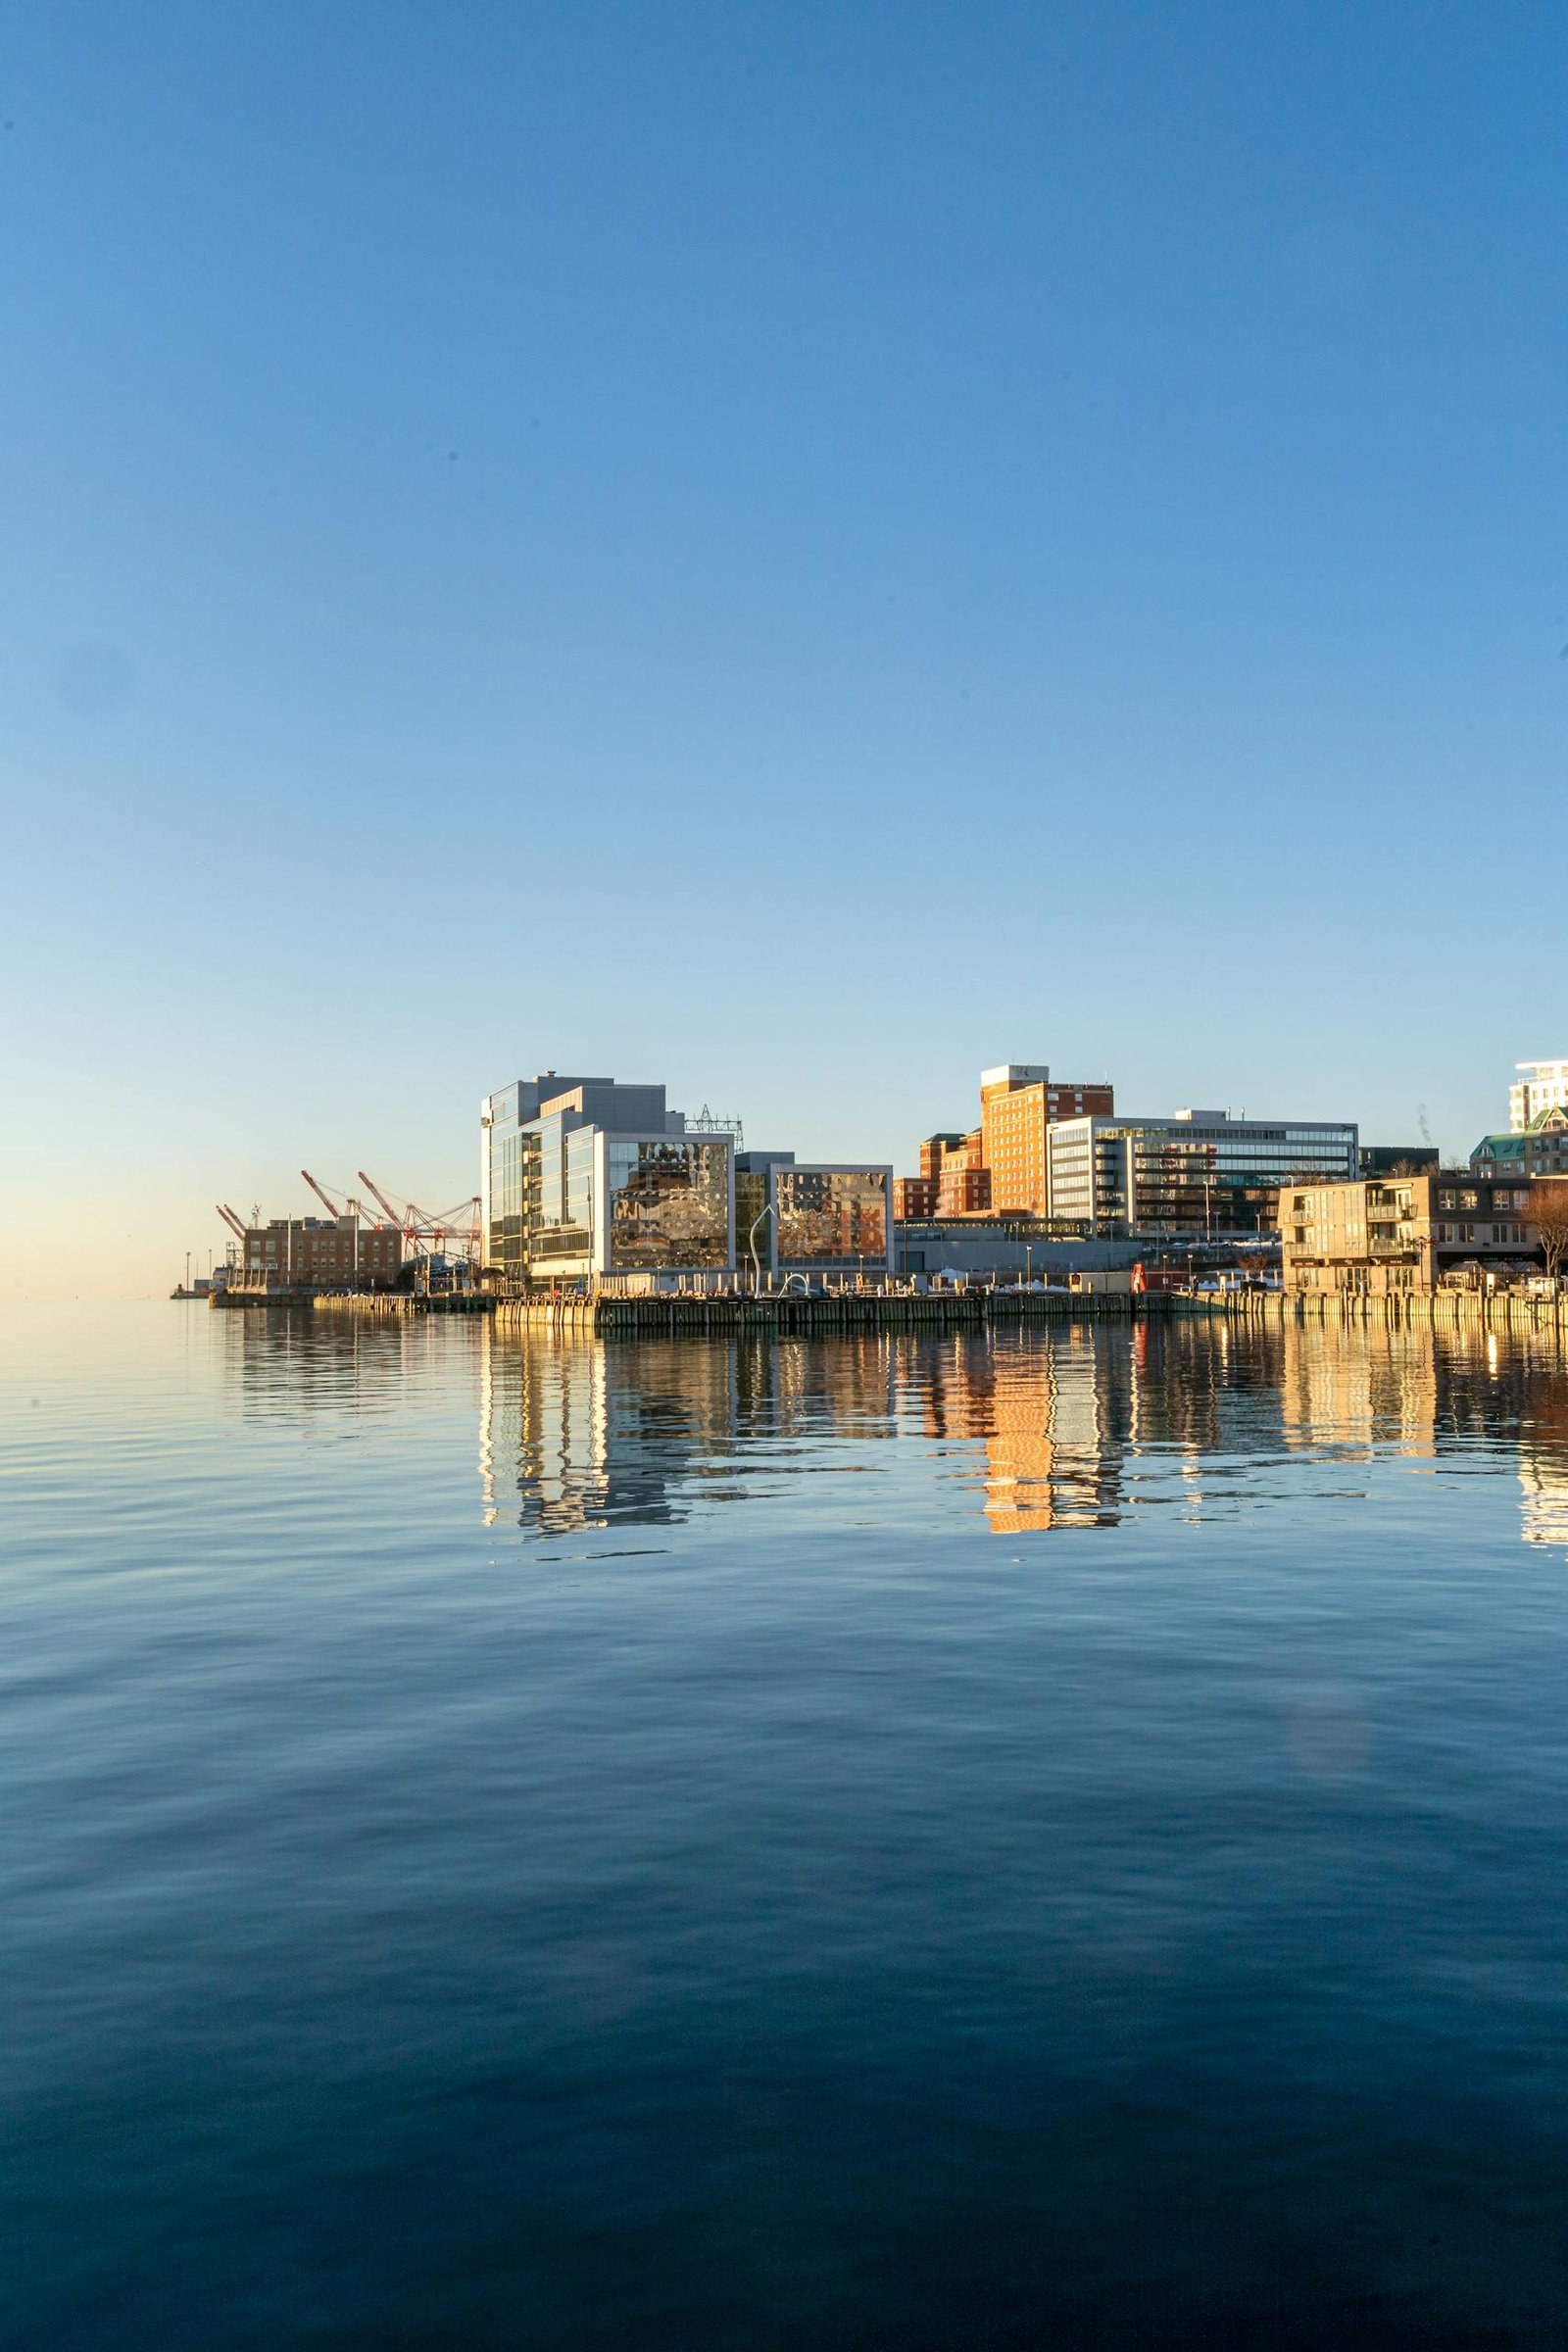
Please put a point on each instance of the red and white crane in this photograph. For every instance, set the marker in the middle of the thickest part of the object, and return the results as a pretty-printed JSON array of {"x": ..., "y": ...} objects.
[
  {"x": 325, "y": 1199},
  {"x": 440, "y": 1233}
]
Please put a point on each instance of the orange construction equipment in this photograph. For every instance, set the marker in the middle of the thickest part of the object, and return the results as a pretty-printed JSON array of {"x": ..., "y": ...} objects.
[{"x": 327, "y": 1203}]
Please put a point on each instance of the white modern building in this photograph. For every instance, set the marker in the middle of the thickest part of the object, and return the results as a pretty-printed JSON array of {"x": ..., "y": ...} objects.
[
  {"x": 1541, "y": 1086},
  {"x": 1198, "y": 1172},
  {"x": 587, "y": 1177}
]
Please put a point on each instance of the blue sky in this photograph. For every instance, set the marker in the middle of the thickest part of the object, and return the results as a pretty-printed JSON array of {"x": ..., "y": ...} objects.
[{"x": 800, "y": 550}]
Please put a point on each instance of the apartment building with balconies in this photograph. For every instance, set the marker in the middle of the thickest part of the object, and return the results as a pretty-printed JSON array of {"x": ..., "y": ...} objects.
[{"x": 1389, "y": 1234}]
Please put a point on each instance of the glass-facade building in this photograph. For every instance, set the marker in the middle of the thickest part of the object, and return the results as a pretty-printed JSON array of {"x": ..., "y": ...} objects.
[
  {"x": 811, "y": 1218},
  {"x": 585, "y": 1179},
  {"x": 586, "y": 1176},
  {"x": 667, "y": 1203},
  {"x": 1199, "y": 1174}
]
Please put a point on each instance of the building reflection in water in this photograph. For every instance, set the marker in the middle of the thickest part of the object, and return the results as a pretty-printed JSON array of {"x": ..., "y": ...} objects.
[
  {"x": 1068, "y": 1426},
  {"x": 578, "y": 1433}
]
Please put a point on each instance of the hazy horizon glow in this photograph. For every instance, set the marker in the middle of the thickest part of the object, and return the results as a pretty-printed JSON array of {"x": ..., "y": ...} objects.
[{"x": 800, "y": 554}]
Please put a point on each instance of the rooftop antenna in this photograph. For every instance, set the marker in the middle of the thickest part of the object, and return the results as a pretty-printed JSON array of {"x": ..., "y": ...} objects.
[{"x": 714, "y": 1125}]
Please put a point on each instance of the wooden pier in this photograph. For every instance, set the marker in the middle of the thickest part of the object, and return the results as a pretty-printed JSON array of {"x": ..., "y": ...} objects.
[{"x": 1433, "y": 1310}]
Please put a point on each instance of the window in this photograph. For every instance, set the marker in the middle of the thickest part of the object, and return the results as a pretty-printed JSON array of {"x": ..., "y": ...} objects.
[{"x": 1469, "y": 1199}]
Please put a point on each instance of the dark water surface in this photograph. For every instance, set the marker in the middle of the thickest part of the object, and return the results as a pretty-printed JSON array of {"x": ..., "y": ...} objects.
[{"x": 916, "y": 1843}]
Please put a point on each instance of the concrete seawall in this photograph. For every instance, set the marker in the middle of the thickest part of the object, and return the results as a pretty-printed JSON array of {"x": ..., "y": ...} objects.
[{"x": 796, "y": 1314}]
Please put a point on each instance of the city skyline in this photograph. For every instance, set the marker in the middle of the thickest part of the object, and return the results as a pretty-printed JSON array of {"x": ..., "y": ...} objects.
[{"x": 297, "y": 1199}]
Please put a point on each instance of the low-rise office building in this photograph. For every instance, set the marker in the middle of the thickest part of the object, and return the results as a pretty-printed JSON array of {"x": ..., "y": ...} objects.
[
  {"x": 1401, "y": 1233},
  {"x": 1201, "y": 1173},
  {"x": 812, "y": 1217},
  {"x": 589, "y": 1180}
]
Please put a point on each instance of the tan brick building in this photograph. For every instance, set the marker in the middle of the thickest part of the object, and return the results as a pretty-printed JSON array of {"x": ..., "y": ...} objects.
[
  {"x": 1018, "y": 1102},
  {"x": 321, "y": 1254},
  {"x": 1402, "y": 1233},
  {"x": 915, "y": 1197},
  {"x": 1000, "y": 1168},
  {"x": 964, "y": 1185}
]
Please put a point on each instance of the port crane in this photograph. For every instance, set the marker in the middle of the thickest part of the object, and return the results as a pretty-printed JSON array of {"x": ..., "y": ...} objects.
[
  {"x": 440, "y": 1233},
  {"x": 325, "y": 1199}
]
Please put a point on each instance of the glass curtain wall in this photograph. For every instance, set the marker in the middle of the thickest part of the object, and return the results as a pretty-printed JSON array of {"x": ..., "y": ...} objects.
[
  {"x": 668, "y": 1205},
  {"x": 831, "y": 1219},
  {"x": 505, "y": 1244},
  {"x": 561, "y": 1226},
  {"x": 1221, "y": 1181}
]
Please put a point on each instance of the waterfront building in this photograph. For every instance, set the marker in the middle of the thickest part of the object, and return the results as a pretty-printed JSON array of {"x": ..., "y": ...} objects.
[
  {"x": 812, "y": 1217},
  {"x": 320, "y": 1253},
  {"x": 1020, "y": 1102},
  {"x": 1199, "y": 1174},
  {"x": 584, "y": 1177},
  {"x": 1541, "y": 1086},
  {"x": 1538, "y": 1150},
  {"x": 1401, "y": 1233}
]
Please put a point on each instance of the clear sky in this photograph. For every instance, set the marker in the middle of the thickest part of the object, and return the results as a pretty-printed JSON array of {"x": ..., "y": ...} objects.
[{"x": 796, "y": 550}]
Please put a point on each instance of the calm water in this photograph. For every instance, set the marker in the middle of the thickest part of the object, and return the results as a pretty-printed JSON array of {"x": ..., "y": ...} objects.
[{"x": 915, "y": 1843}]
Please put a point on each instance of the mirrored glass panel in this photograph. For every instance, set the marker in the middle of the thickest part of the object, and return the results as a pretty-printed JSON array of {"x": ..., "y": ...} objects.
[
  {"x": 832, "y": 1217},
  {"x": 669, "y": 1205}
]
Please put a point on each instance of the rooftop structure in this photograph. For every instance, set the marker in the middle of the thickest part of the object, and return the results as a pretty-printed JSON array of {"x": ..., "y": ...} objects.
[{"x": 1398, "y": 1160}]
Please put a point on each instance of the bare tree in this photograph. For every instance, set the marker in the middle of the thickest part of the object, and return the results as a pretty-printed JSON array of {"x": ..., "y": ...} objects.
[{"x": 1549, "y": 1214}]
